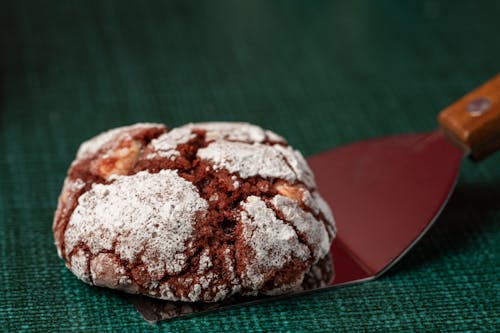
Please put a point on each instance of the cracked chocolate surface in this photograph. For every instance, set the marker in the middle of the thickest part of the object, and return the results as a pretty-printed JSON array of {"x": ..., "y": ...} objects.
[{"x": 199, "y": 213}]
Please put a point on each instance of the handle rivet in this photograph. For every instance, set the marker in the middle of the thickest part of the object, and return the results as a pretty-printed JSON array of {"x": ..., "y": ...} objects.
[{"x": 478, "y": 106}]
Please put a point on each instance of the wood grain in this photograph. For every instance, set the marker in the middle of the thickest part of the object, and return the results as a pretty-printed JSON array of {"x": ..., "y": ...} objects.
[{"x": 473, "y": 122}]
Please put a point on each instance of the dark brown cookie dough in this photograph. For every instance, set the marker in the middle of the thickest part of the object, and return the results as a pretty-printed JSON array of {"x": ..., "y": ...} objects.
[{"x": 198, "y": 213}]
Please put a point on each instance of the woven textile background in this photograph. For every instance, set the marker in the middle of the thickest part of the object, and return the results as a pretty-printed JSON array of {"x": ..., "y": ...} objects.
[{"x": 322, "y": 74}]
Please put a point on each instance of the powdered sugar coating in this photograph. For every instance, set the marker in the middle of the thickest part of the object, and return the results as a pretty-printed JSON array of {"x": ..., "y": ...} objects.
[
  {"x": 298, "y": 164},
  {"x": 271, "y": 136},
  {"x": 205, "y": 261},
  {"x": 305, "y": 223},
  {"x": 166, "y": 144},
  {"x": 67, "y": 199},
  {"x": 92, "y": 146},
  {"x": 106, "y": 271},
  {"x": 149, "y": 216},
  {"x": 139, "y": 231},
  {"x": 327, "y": 213},
  {"x": 249, "y": 160},
  {"x": 273, "y": 241},
  {"x": 235, "y": 131},
  {"x": 79, "y": 265}
]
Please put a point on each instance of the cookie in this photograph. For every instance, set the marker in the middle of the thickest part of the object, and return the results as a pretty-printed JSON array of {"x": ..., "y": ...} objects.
[{"x": 198, "y": 213}]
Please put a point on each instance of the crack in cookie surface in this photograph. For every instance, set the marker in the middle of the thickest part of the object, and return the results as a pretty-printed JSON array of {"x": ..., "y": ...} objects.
[{"x": 217, "y": 253}]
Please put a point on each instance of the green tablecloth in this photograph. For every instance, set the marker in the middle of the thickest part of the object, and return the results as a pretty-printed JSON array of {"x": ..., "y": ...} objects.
[{"x": 322, "y": 74}]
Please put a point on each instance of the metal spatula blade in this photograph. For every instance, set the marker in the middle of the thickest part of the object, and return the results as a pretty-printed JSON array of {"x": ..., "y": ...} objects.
[{"x": 385, "y": 194}]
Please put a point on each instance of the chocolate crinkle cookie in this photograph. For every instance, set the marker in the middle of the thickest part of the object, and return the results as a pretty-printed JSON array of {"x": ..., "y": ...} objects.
[{"x": 198, "y": 213}]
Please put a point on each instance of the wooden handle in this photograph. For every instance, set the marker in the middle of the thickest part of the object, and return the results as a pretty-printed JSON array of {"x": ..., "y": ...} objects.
[{"x": 473, "y": 122}]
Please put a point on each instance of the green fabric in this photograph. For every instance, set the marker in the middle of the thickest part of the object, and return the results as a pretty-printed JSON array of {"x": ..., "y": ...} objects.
[{"x": 322, "y": 74}]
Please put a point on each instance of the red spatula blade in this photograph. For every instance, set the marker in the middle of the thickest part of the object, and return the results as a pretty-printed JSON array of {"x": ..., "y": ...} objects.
[{"x": 385, "y": 193}]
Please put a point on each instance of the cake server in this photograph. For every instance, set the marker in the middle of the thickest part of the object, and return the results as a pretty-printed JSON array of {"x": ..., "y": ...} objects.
[{"x": 385, "y": 194}]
